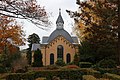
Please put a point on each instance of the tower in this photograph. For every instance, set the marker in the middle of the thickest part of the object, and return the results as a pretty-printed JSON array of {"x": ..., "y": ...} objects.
[{"x": 59, "y": 22}]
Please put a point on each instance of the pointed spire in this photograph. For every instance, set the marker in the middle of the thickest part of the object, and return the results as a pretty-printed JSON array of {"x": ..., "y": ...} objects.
[
  {"x": 59, "y": 11},
  {"x": 59, "y": 19}
]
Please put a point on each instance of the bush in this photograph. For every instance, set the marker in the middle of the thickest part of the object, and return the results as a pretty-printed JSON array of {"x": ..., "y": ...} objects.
[
  {"x": 37, "y": 59},
  {"x": 76, "y": 59},
  {"x": 2, "y": 69},
  {"x": 66, "y": 74},
  {"x": 85, "y": 64},
  {"x": 52, "y": 67},
  {"x": 90, "y": 71},
  {"x": 40, "y": 78},
  {"x": 89, "y": 77},
  {"x": 111, "y": 76},
  {"x": 108, "y": 70},
  {"x": 107, "y": 63},
  {"x": 20, "y": 71},
  {"x": 71, "y": 67},
  {"x": 36, "y": 64},
  {"x": 60, "y": 62}
]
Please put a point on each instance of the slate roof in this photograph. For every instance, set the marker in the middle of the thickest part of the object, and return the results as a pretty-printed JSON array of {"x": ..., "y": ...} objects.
[
  {"x": 61, "y": 32},
  {"x": 75, "y": 39},
  {"x": 35, "y": 47},
  {"x": 59, "y": 19},
  {"x": 45, "y": 39}
]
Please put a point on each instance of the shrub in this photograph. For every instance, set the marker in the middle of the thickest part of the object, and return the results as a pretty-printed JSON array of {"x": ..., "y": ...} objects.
[
  {"x": 52, "y": 67},
  {"x": 71, "y": 63},
  {"x": 48, "y": 74},
  {"x": 40, "y": 78},
  {"x": 60, "y": 62},
  {"x": 89, "y": 77},
  {"x": 109, "y": 70},
  {"x": 76, "y": 59},
  {"x": 37, "y": 59},
  {"x": 20, "y": 71},
  {"x": 85, "y": 64},
  {"x": 107, "y": 63},
  {"x": 71, "y": 67},
  {"x": 2, "y": 69},
  {"x": 111, "y": 76},
  {"x": 90, "y": 71}
]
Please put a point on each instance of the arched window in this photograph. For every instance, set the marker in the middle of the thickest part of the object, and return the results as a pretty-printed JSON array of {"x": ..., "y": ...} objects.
[
  {"x": 51, "y": 58},
  {"x": 60, "y": 52},
  {"x": 68, "y": 58}
]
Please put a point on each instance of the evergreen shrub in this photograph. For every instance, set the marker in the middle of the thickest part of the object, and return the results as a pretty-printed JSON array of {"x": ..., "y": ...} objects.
[
  {"x": 2, "y": 69},
  {"x": 48, "y": 74},
  {"x": 37, "y": 59},
  {"x": 107, "y": 63},
  {"x": 85, "y": 64},
  {"x": 60, "y": 62},
  {"x": 89, "y": 77},
  {"x": 111, "y": 76}
]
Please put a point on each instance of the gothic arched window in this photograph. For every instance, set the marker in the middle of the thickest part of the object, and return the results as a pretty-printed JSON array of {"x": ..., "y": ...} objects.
[
  {"x": 51, "y": 58},
  {"x": 68, "y": 58},
  {"x": 60, "y": 52}
]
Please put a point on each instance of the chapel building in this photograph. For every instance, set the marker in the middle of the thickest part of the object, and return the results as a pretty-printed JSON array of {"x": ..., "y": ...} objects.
[{"x": 60, "y": 45}]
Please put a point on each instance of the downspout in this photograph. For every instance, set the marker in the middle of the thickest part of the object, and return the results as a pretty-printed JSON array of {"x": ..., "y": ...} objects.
[{"x": 45, "y": 55}]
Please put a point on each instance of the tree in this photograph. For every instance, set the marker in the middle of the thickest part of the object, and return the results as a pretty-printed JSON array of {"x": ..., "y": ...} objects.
[
  {"x": 25, "y": 9},
  {"x": 19, "y": 62},
  {"x": 97, "y": 23},
  {"x": 76, "y": 59},
  {"x": 37, "y": 59},
  {"x": 7, "y": 59},
  {"x": 33, "y": 38},
  {"x": 86, "y": 52},
  {"x": 11, "y": 35}
]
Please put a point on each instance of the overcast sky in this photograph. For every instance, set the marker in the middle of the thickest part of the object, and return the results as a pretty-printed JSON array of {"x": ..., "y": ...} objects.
[{"x": 52, "y": 6}]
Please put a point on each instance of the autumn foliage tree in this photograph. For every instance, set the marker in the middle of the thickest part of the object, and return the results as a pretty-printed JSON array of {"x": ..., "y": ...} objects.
[
  {"x": 97, "y": 22},
  {"x": 11, "y": 34},
  {"x": 25, "y": 9}
]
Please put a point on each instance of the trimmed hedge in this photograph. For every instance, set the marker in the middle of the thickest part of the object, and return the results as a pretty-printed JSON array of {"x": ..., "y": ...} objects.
[
  {"x": 90, "y": 71},
  {"x": 40, "y": 79},
  {"x": 89, "y": 77},
  {"x": 109, "y": 70},
  {"x": 69, "y": 74},
  {"x": 66, "y": 74},
  {"x": 111, "y": 76},
  {"x": 85, "y": 64}
]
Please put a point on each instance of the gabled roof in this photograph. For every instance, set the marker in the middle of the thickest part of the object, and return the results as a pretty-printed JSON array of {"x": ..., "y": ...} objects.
[
  {"x": 75, "y": 39},
  {"x": 45, "y": 39},
  {"x": 35, "y": 47}
]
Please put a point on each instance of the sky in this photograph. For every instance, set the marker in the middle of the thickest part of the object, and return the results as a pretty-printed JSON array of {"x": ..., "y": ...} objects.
[{"x": 52, "y": 8}]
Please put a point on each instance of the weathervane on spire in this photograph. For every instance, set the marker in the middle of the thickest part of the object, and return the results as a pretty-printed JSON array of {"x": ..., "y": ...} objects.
[{"x": 59, "y": 11}]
